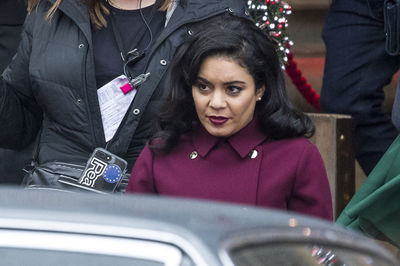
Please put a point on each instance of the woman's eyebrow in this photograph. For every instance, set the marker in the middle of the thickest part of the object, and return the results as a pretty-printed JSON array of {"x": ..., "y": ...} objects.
[
  {"x": 234, "y": 82},
  {"x": 203, "y": 80},
  {"x": 225, "y": 83}
]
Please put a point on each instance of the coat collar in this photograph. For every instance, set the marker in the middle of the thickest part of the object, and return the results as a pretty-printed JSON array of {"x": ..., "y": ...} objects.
[
  {"x": 243, "y": 142},
  {"x": 75, "y": 9},
  {"x": 78, "y": 12}
]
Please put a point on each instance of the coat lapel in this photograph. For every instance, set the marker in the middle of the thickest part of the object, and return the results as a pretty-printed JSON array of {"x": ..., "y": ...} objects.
[{"x": 78, "y": 12}]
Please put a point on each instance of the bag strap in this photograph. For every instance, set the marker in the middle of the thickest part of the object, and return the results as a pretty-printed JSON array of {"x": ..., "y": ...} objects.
[{"x": 28, "y": 169}]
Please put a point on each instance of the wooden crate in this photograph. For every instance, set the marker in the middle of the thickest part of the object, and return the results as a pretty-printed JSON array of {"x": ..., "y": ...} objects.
[{"x": 333, "y": 137}]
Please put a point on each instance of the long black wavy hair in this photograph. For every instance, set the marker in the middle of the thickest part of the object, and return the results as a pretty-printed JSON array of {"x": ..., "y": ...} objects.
[{"x": 239, "y": 39}]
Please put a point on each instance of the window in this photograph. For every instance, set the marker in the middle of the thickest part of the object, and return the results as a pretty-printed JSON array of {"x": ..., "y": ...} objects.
[
  {"x": 301, "y": 255},
  {"x": 62, "y": 249}
]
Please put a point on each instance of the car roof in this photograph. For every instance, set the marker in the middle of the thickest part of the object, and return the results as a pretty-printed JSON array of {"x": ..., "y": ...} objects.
[{"x": 202, "y": 228}]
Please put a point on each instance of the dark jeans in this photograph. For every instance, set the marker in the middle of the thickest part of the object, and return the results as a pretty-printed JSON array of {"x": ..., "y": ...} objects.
[
  {"x": 356, "y": 69},
  {"x": 11, "y": 162}
]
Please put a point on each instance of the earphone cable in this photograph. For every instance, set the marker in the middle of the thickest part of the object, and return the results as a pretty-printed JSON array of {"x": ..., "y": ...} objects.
[{"x": 147, "y": 24}]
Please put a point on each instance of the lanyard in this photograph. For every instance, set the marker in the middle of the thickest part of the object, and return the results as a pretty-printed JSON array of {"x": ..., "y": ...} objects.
[{"x": 133, "y": 55}]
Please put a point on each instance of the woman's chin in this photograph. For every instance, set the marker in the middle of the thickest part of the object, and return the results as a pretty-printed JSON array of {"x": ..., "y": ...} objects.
[{"x": 219, "y": 132}]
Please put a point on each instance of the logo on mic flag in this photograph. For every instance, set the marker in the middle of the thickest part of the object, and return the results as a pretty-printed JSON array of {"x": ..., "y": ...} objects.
[{"x": 112, "y": 173}]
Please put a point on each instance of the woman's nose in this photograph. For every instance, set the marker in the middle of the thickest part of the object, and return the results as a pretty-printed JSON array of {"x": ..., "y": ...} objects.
[{"x": 217, "y": 100}]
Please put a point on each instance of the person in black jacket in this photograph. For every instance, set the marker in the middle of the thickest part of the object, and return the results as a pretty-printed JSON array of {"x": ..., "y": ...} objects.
[
  {"x": 70, "y": 50},
  {"x": 358, "y": 65},
  {"x": 12, "y": 16},
  {"x": 362, "y": 41}
]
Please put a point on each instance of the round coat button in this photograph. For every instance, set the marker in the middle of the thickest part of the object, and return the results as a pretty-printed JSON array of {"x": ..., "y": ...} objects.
[
  {"x": 136, "y": 111},
  {"x": 190, "y": 32},
  {"x": 163, "y": 62},
  {"x": 193, "y": 155},
  {"x": 230, "y": 10},
  {"x": 80, "y": 46},
  {"x": 253, "y": 154},
  {"x": 79, "y": 100}
]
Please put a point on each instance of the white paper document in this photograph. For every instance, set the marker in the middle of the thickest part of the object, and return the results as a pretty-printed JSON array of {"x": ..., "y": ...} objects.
[{"x": 114, "y": 104}]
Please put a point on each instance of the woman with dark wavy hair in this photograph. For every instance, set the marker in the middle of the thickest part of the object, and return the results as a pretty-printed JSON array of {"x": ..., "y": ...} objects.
[{"x": 228, "y": 131}]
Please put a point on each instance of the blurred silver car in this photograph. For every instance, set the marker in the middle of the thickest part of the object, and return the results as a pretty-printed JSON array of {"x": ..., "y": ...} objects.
[{"x": 42, "y": 227}]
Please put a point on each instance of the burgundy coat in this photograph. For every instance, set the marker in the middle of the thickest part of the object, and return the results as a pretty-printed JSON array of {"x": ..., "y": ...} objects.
[{"x": 245, "y": 168}]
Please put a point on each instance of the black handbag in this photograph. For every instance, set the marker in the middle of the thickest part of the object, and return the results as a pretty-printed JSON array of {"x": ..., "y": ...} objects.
[
  {"x": 391, "y": 13},
  {"x": 47, "y": 175}
]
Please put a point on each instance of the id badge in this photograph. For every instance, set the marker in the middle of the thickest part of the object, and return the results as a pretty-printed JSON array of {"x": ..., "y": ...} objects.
[
  {"x": 114, "y": 101},
  {"x": 103, "y": 172}
]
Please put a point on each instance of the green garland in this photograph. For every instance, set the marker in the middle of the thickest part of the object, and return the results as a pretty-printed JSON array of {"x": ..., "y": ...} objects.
[{"x": 270, "y": 16}]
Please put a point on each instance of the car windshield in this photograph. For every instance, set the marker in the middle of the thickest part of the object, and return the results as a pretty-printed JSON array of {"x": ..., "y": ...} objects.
[{"x": 301, "y": 255}]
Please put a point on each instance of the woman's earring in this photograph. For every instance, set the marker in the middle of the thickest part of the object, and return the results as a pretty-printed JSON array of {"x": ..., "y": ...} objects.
[{"x": 259, "y": 98}]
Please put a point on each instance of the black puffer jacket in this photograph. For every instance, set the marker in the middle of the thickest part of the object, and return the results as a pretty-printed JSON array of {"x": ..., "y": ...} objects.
[{"x": 51, "y": 83}]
